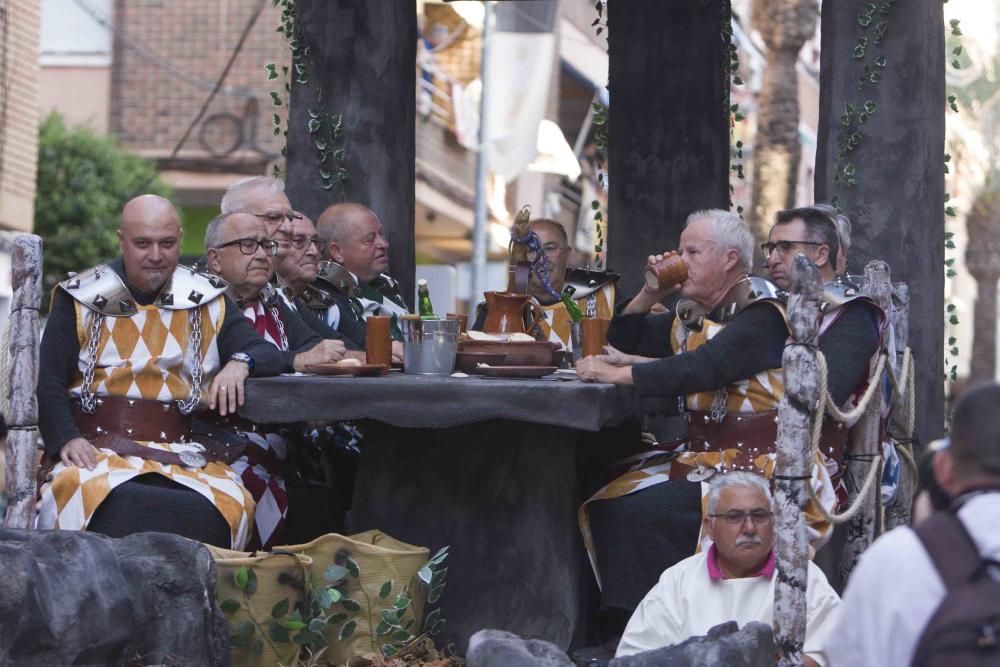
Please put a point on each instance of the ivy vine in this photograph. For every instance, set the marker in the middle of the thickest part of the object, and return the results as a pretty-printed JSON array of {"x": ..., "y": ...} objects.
[
  {"x": 951, "y": 310},
  {"x": 731, "y": 68},
  {"x": 874, "y": 23},
  {"x": 325, "y": 127}
]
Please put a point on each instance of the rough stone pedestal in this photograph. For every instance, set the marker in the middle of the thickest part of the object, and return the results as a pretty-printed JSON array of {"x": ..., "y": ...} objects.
[{"x": 70, "y": 597}]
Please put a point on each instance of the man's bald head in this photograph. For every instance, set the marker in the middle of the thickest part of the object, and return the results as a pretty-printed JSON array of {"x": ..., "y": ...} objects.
[
  {"x": 150, "y": 241},
  {"x": 352, "y": 237}
]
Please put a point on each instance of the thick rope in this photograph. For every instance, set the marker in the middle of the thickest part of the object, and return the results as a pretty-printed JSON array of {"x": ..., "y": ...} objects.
[
  {"x": 848, "y": 514},
  {"x": 825, "y": 401}
]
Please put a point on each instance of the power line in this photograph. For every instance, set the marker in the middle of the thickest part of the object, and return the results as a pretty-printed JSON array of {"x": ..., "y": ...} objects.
[{"x": 156, "y": 60}]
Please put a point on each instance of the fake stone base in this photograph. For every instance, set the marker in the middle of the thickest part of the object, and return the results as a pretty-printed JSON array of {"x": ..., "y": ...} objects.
[
  {"x": 725, "y": 644},
  {"x": 70, "y": 597}
]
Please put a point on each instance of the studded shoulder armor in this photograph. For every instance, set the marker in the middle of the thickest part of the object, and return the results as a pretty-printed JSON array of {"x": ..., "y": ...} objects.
[
  {"x": 102, "y": 290},
  {"x": 332, "y": 279}
]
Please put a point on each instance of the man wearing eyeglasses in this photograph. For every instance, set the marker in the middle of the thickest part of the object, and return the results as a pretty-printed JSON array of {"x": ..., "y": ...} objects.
[
  {"x": 593, "y": 291},
  {"x": 264, "y": 198},
  {"x": 130, "y": 350},
  {"x": 239, "y": 250},
  {"x": 731, "y": 581},
  {"x": 851, "y": 325},
  {"x": 296, "y": 274}
]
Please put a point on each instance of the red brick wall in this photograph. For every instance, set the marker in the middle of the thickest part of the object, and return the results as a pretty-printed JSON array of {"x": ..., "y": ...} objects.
[{"x": 151, "y": 107}]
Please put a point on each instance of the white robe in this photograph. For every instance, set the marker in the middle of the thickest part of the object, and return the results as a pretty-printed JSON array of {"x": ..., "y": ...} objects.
[{"x": 686, "y": 602}]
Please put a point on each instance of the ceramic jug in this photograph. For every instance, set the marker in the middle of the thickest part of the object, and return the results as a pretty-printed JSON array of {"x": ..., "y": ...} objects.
[{"x": 507, "y": 312}]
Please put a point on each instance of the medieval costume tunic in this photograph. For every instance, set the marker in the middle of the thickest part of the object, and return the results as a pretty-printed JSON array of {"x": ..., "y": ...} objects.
[
  {"x": 110, "y": 347},
  {"x": 343, "y": 302},
  {"x": 260, "y": 467},
  {"x": 727, "y": 366}
]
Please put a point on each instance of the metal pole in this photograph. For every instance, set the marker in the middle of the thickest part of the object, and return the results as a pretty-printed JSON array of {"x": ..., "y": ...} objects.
[{"x": 482, "y": 165}]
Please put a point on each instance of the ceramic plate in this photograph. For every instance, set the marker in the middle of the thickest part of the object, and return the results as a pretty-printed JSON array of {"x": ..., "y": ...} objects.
[
  {"x": 360, "y": 371},
  {"x": 516, "y": 371}
]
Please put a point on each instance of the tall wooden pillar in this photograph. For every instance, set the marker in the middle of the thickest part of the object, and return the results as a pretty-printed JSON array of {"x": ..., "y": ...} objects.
[
  {"x": 365, "y": 63},
  {"x": 897, "y": 203},
  {"x": 668, "y": 138}
]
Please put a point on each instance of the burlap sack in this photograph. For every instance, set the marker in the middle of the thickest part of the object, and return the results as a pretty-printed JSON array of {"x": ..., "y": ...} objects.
[
  {"x": 279, "y": 576},
  {"x": 380, "y": 559}
]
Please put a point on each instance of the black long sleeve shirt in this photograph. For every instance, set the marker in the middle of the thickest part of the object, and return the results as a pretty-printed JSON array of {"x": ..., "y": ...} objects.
[
  {"x": 60, "y": 351},
  {"x": 751, "y": 343},
  {"x": 321, "y": 328}
]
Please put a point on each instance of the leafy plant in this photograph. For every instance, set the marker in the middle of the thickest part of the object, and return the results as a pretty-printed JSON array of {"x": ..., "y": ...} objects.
[
  {"x": 84, "y": 180},
  {"x": 326, "y": 128},
  {"x": 328, "y": 607}
]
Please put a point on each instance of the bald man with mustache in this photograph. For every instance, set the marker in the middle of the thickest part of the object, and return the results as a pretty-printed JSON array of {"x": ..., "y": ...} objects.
[{"x": 131, "y": 349}]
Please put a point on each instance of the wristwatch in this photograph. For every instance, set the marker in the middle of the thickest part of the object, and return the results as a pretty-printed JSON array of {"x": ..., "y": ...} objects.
[{"x": 245, "y": 358}]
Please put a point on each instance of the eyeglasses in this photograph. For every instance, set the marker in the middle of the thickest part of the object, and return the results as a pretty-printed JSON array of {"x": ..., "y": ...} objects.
[
  {"x": 275, "y": 217},
  {"x": 784, "y": 247},
  {"x": 300, "y": 242},
  {"x": 737, "y": 517},
  {"x": 249, "y": 246}
]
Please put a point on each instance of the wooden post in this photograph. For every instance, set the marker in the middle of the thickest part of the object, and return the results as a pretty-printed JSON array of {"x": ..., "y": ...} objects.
[
  {"x": 22, "y": 378},
  {"x": 365, "y": 57},
  {"x": 793, "y": 467},
  {"x": 898, "y": 513},
  {"x": 864, "y": 444},
  {"x": 668, "y": 136},
  {"x": 896, "y": 204}
]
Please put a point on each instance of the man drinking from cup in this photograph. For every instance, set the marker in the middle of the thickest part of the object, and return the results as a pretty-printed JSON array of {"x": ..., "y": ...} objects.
[{"x": 719, "y": 350}]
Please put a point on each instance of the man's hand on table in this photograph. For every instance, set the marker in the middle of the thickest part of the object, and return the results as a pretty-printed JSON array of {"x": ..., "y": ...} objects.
[
  {"x": 226, "y": 390},
  {"x": 80, "y": 453},
  {"x": 397, "y": 352},
  {"x": 325, "y": 352},
  {"x": 647, "y": 299},
  {"x": 597, "y": 369},
  {"x": 616, "y": 357}
]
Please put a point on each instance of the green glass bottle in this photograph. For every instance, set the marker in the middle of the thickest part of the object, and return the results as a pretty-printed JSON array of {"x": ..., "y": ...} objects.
[
  {"x": 424, "y": 307},
  {"x": 574, "y": 311}
]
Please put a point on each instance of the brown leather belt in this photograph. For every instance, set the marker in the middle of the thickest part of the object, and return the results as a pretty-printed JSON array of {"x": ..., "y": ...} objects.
[
  {"x": 753, "y": 434},
  {"x": 135, "y": 419}
]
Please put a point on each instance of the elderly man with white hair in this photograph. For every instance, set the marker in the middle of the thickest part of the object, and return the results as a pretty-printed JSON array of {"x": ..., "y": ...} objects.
[
  {"x": 732, "y": 581},
  {"x": 718, "y": 350}
]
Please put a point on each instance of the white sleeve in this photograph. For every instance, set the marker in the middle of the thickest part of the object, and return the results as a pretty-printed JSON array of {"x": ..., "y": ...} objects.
[
  {"x": 822, "y": 611},
  {"x": 652, "y": 625}
]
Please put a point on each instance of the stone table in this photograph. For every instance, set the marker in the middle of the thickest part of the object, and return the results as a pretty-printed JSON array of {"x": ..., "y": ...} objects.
[{"x": 495, "y": 468}]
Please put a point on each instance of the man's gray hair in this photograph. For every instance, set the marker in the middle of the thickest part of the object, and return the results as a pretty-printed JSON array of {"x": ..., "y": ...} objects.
[
  {"x": 730, "y": 479},
  {"x": 730, "y": 233},
  {"x": 234, "y": 200},
  {"x": 213, "y": 233},
  {"x": 841, "y": 222}
]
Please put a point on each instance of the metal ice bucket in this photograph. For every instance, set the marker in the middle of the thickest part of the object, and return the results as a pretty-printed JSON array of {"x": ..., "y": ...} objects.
[{"x": 429, "y": 346}]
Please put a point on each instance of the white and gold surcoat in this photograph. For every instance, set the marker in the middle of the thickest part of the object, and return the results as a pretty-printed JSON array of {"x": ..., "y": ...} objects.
[{"x": 144, "y": 352}]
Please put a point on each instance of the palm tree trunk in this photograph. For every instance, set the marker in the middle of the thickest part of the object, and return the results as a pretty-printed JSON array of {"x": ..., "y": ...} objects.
[
  {"x": 777, "y": 149},
  {"x": 984, "y": 330}
]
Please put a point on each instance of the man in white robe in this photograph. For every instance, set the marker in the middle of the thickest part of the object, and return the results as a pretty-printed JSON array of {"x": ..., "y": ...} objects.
[{"x": 733, "y": 581}]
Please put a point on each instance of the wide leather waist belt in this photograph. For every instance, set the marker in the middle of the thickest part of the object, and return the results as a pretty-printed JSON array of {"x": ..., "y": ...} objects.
[{"x": 135, "y": 419}]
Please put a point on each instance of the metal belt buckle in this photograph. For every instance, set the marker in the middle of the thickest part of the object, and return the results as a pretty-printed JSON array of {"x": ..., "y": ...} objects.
[
  {"x": 700, "y": 474},
  {"x": 192, "y": 459}
]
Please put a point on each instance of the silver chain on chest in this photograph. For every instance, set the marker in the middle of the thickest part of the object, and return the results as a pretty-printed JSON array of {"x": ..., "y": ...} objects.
[
  {"x": 188, "y": 406},
  {"x": 592, "y": 305},
  {"x": 281, "y": 327},
  {"x": 88, "y": 401}
]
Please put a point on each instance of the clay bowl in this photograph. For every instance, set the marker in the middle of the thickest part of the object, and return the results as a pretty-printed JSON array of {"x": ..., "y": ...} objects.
[
  {"x": 467, "y": 361},
  {"x": 519, "y": 353}
]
